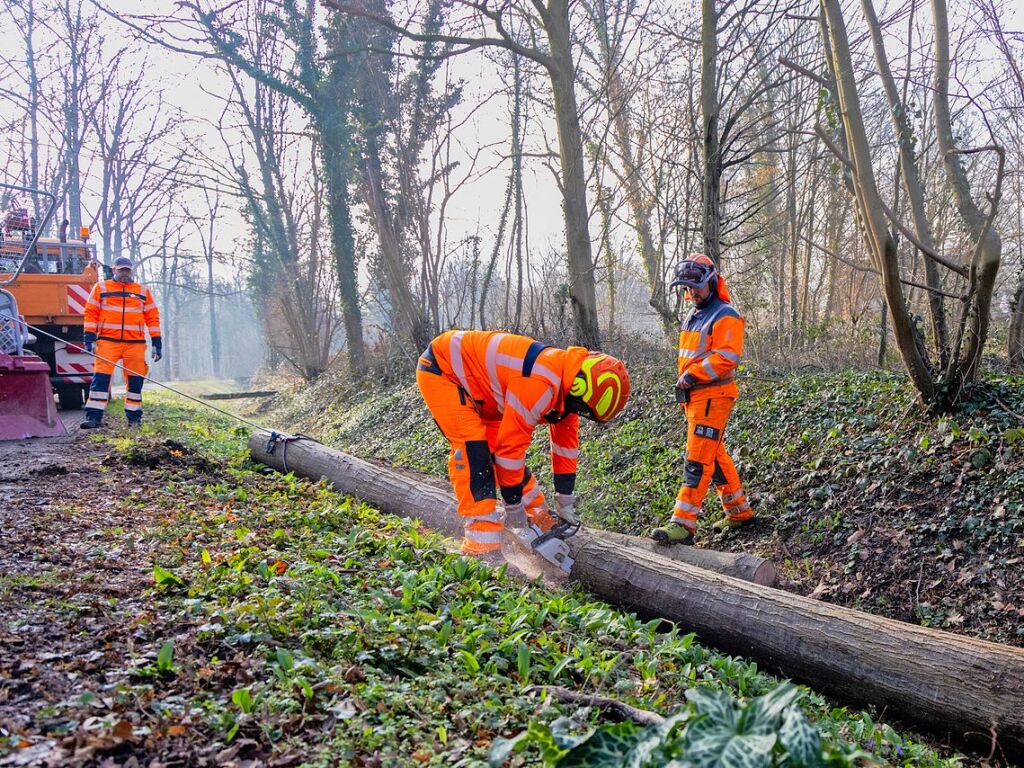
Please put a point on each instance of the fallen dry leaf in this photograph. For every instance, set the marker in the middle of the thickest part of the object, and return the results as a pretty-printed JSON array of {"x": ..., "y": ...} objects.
[{"x": 123, "y": 730}]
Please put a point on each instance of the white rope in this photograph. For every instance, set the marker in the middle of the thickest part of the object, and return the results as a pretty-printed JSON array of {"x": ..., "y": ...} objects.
[{"x": 154, "y": 381}]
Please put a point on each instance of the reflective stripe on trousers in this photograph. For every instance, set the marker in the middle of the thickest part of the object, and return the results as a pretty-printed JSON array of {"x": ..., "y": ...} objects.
[
  {"x": 131, "y": 359},
  {"x": 707, "y": 461}
]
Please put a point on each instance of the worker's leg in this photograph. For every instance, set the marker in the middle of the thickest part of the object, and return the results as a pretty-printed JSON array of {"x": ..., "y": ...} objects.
[
  {"x": 469, "y": 461},
  {"x": 99, "y": 389},
  {"x": 706, "y": 421},
  {"x": 534, "y": 504},
  {"x": 730, "y": 489},
  {"x": 134, "y": 364}
]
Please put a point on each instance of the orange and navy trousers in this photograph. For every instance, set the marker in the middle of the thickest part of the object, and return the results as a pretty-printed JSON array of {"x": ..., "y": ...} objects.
[
  {"x": 707, "y": 462},
  {"x": 129, "y": 356},
  {"x": 470, "y": 463}
]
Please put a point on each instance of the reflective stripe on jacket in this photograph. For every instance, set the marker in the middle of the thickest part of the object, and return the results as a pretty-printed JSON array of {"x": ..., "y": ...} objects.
[
  {"x": 516, "y": 381},
  {"x": 710, "y": 348},
  {"x": 122, "y": 312}
]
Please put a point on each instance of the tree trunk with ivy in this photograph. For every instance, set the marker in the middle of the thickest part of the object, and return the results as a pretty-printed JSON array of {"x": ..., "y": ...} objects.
[{"x": 712, "y": 157}]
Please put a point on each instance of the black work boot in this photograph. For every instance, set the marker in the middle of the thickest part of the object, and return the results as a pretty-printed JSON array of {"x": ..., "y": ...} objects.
[{"x": 91, "y": 423}]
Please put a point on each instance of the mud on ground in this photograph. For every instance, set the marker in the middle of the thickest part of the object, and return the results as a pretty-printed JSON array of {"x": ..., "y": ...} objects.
[{"x": 79, "y": 626}]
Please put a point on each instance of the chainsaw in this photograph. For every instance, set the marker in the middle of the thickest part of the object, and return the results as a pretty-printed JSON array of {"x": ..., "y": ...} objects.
[{"x": 550, "y": 544}]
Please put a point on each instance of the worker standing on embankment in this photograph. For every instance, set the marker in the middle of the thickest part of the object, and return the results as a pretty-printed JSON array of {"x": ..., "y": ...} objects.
[{"x": 710, "y": 348}]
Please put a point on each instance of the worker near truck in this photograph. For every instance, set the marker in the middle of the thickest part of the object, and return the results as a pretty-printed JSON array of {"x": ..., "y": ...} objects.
[
  {"x": 118, "y": 315},
  {"x": 488, "y": 391},
  {"x": 710, "y": 349}
]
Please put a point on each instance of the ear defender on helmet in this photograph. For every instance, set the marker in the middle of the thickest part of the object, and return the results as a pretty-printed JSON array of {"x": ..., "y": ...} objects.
[{"x": 600, "y": 389}]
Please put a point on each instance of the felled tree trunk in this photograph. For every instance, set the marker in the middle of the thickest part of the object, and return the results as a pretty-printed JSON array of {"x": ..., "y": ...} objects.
[
  {"x": 415, "y": 495},
  {"x": 968, "y": 688}
]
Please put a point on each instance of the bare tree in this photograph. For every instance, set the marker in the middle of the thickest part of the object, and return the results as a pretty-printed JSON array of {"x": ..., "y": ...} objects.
[
  {"x": 941, "y": 389},
  {"x": 991, "y": 14},
  {"x": 283, "y": 207},
  {"x": 206, "y": 226},
  {"x": 620, "y": 38},
  {"x": 24, "y": 17},
  {"x": 76, "y": 64},
  {"x": 237, "y": 34},
  {"x": 735, "y": 80},
  {"x": 540, "y": 32}
]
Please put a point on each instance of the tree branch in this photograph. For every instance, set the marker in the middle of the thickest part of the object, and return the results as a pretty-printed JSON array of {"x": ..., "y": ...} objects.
[
  {"x": 640, "y": 716},
  {"x": 909, "y": 234},
  {"x": 467, "y": 43},
  {"x": 904, "y": 230},
  {"x": 873, "y": 271},
  {"x": 803, "y": 71},
  {"x": 822, "y": 134}
]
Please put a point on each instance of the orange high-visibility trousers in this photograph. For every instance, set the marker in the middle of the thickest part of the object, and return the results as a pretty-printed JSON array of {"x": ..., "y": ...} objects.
[
  {"x": 470, "y": 465},
  {"x": 131, "y": 357},
  {"x": 707, "y": 461}
]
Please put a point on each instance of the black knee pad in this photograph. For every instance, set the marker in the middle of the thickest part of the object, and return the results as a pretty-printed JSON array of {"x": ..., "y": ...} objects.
[
  {"x": 481, "y": 470},
  {"x": 718, "y": 477},
  {"x": 692, "y": 473}
]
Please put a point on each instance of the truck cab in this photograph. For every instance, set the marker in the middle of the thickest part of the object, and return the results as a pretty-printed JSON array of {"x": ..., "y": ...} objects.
[{"x": 52, "y": 291}]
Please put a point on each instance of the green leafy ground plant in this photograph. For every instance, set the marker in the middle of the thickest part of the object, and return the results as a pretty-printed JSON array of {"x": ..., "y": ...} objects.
[
  {"x": 320, "y": 627},
  {"x": 864, "y": 501}
]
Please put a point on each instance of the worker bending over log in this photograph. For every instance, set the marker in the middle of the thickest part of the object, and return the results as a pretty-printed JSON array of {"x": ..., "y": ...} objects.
[
  {"x": 487, "y": 392},
  {"x": 710, "y": 348}
]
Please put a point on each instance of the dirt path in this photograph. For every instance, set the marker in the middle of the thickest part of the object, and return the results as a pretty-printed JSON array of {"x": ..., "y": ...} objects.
[{"x": 77, "y": 618}]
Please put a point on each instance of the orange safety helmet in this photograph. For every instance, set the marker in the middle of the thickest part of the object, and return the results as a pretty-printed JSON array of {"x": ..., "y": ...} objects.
[{"x": 602, "y": 386}]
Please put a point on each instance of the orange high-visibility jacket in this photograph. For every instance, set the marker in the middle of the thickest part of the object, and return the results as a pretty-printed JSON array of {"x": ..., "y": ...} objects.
[
  {"x": 121, "y": 312},
  {"x": 711, "y": 346},
  {"x": 516, "y": 381}
]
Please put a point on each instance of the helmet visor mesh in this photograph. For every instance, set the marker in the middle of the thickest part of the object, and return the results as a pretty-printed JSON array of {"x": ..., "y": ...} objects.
[{"x": 692, "y": 275}]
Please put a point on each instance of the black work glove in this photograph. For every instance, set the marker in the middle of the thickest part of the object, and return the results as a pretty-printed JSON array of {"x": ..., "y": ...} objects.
[
  {"x": 682, "y": 389},
  {"x": 158, "y": 348},
  {"x": 89, "y": 342}
]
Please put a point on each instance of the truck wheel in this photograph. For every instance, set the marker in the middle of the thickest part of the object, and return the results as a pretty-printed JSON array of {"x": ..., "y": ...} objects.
[{"x": 70, "y": 396}]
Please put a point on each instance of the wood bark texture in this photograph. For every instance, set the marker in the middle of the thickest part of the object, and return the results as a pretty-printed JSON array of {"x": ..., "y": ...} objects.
[
  {"x": 968, "y": 687},
  {"x": 415, "y": 495},
  {"x": 945, "y": 681}
]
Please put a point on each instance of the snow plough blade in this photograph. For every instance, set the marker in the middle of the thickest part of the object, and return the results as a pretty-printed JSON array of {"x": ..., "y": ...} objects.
[{"x": 26, "y": 399}]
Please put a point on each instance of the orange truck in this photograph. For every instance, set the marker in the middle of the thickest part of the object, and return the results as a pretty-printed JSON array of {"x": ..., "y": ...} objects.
[{"x": 51, "y": 283}]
